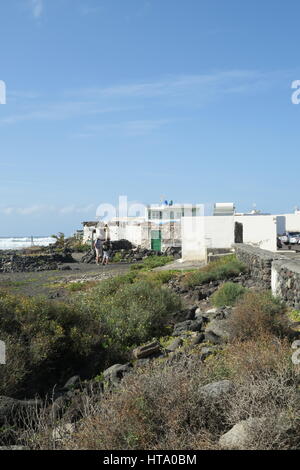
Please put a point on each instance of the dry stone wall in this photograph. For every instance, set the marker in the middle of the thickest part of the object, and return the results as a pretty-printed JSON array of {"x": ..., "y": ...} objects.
[{"x": 273, "y": 271}]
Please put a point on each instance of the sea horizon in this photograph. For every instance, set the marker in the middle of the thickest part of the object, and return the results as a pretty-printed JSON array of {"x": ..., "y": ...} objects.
[{"x": 20, "y": 242}]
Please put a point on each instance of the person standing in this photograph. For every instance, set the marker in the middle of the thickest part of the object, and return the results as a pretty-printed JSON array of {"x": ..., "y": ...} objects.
[
  {"x": 98, "y": 248},
  {"x": 106, "y": 252}
]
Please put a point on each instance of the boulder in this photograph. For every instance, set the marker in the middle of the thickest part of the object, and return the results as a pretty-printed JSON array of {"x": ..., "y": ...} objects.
[
  {"x": 115, "y": 373},
  {"x": 147, "y": 350},
  {"x": 296, "y": 344},
  {"x": 189, "y": 314},
  {"x": 242, "y": 434},
  {"x": 174, "y": 345},
  {"x": 188, "y": 325},
  {"x": 72, "y": 382},
  {"x": 212, "y": 311},
  {"x": 197, "y": 339},
  {"x": 205, "y": 352},
  {"x": 296, "y": 357},
  {"x": 217, "y": 390},
  {"x": 217, "y": 331}
]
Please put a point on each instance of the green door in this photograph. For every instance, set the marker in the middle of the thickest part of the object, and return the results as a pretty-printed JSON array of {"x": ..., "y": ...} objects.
[{"x": 156, "y": 240}]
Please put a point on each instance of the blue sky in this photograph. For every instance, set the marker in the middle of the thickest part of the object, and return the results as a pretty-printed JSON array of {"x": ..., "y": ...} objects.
[{"x": 186, "y": 99}]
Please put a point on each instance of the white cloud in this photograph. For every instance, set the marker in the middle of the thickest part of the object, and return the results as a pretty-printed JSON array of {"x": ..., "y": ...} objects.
[
  {"x": 128, "y": 128},
  {"x": 183, "y": 91},
  {"x": 72, "y": 209},
  {"x": 178, "y": 85},
  {"x": 37, "y": 7},
  {"x": 59, "y": 111}
]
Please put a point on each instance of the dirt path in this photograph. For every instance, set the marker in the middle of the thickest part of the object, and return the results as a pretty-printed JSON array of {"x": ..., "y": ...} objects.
[{"x": 50, "y": 283}]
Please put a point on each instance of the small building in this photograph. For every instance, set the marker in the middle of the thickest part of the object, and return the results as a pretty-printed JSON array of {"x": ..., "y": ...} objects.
[
  {"x": 201, "y": 234},
  {"x": 89, "y": 230},
  {"x": 157, "y": 229},
  {"x": 164, "y": 224},
  {"x": 78, "y": 235}
]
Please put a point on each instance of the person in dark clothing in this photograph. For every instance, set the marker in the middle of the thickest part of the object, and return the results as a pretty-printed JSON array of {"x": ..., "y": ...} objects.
[
  {"x": 99, "y": 249},
  {"x": 106, "y": 247}
]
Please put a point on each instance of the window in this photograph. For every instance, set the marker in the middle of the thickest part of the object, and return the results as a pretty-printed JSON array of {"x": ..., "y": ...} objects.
[{"x": 155, "y": 215}]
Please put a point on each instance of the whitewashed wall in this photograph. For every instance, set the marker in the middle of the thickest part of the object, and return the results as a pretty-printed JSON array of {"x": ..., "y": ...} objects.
[
  {"x": 113, "y": 233},
  {"x": 219, "y": 231},
  {"x": 133, "y": 233},
  {"x": 200, "y": 233},
  {"x": 292, "y": 222},
  {"x": 193, "y": 234},
  {"x": 87, "y": 233},
  {"x": 260, "y": 230}
]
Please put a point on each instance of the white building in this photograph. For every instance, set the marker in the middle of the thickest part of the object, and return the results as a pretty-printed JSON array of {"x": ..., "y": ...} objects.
[
  {"x": 89, "y": 229},
  {"x": 157, "y": 229},
  {"x": 201, "y": 234}
]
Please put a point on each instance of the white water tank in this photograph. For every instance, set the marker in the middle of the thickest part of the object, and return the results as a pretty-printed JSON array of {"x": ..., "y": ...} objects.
[{"x": 224, "y": 208}]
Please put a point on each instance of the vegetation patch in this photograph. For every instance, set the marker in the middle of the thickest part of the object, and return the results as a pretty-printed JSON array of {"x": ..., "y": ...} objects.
[
  {"x": 49, "y": 341},
  {"x": 294, "y": 315},
  {"x": 131, "y": 313},
  {"x": 159, "y": 407},
  {"x": 222, "y": 269},
  {"x": 258, "y": 313},
  {"x": 227, "y": 294},
  {"x": 152, "y": 262}
]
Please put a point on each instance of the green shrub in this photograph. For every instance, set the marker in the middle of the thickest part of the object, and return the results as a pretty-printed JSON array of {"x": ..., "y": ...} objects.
[
  {"x": 227, "y": 294},
  {"x": 159, "y": 277},
  {"x": 133, "y": 314},
  {"x": 222, "y": 269},
  {"x": 49, "y": 341},
  {"x": 46, "y": 343},
  {"x": 81, "y": 247},
  {"x": 153, "y": 261},
  {"x": 117, "y": 257},
  {"x": 294, "y": 315}
]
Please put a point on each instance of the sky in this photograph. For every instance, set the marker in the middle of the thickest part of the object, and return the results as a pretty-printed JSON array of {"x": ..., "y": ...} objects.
[{"x": 188, "y": 100}]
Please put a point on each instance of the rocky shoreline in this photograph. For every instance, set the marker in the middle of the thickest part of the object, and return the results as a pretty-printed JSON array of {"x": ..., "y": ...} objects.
[{"x": 10, "y": 263}]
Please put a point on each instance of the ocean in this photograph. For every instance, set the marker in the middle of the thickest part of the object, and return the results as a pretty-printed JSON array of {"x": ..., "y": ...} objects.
[{"x": 17, "y": 243}]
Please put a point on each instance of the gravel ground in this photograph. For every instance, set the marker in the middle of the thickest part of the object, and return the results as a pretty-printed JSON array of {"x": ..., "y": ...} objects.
[{"x": 47, "y": 282}]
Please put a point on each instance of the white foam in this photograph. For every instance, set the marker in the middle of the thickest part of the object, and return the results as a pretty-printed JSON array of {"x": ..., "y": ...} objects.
[{"x": 17, "y": 243}]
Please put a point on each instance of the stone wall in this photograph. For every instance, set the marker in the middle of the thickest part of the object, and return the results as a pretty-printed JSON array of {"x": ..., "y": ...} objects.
[
  {"x": 258, "y": 261},
  {"x": 273, "y": 271},
  {"x": 22, "y": 263},
  {"x": 286, "y": 281}
]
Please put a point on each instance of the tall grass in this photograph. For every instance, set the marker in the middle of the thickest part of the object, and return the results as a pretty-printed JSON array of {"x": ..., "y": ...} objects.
[
  {"x": 222, "y": 269},
  {"x": 152, "y": 262},
  {"x": 227, "y": 294}
]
